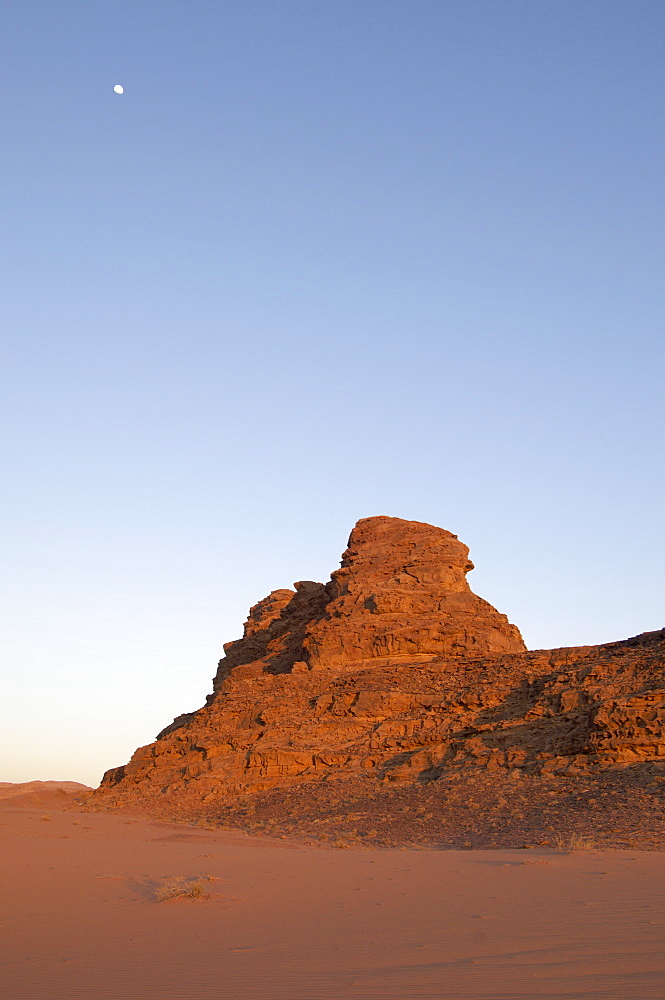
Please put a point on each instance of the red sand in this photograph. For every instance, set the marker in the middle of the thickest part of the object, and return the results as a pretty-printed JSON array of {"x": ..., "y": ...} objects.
[{"x": 79, "y": 918}]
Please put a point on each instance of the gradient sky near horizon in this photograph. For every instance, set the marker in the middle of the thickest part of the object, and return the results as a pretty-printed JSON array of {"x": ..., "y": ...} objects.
[{"x": 321, "y": 260}]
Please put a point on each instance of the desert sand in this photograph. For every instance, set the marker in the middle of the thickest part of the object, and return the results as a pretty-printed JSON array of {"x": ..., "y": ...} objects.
[{"x": 84, "y": 916}]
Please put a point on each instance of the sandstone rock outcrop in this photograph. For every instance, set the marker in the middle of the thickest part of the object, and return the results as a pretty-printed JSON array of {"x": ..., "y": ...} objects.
[
  {"x": 400, "y": 595},
  {"x": 395, "y": 673}
]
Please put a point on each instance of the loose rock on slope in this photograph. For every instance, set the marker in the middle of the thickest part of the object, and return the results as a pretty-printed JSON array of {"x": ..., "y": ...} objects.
[{"x": 395, "y": 676}]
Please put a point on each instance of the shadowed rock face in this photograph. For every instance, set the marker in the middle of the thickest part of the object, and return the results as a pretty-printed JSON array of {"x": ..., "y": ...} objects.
[{"x": 395, "y": 671}]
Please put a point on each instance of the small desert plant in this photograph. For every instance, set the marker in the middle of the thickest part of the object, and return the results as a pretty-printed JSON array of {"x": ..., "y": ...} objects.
[
  {"x": 181, "y": 888},
  {"x": 573, "y": 842}
]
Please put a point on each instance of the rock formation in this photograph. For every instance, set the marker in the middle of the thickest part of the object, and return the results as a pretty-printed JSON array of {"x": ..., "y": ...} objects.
[
  {"x": 400, "y": 596},
  {"x": 394, "y": 674}
]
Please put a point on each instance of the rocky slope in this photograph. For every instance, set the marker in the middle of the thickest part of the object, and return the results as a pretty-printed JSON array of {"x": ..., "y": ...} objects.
[{"x": 394, "y": 691}]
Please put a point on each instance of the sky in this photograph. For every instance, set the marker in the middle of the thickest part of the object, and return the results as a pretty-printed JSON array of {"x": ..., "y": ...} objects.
[{"x": 321, "y": 260}]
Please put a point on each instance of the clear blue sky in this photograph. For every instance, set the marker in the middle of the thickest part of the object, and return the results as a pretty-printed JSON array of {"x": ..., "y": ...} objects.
[{"x": 321, "y": 260}]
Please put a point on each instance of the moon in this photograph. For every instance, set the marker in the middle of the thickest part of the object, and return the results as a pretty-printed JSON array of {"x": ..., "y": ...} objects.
[{"x": 118, "y": 89}]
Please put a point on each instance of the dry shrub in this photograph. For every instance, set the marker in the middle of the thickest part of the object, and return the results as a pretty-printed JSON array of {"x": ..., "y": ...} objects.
[
  {"x": 573, "y": 842},
  {"x": 181, "y": 889}
]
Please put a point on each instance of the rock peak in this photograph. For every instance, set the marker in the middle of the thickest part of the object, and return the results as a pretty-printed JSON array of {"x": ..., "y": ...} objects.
[
  {"x": 405, "y": 552},
  {"x": 399, "y": 596}
]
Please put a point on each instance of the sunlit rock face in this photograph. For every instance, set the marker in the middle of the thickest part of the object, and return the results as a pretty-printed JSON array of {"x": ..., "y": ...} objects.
[
  {"x": 401, "y": 595},
  {"x": 394, "y": 671}
]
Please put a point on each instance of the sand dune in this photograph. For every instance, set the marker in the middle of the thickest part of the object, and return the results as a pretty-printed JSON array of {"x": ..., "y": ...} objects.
[
  {"x": 40, "y": 789},
  {"x": 81, "y": 917}
]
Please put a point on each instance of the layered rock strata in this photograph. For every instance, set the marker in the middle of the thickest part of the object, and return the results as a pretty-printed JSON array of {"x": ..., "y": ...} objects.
[{"x": 396, "y": 673}]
